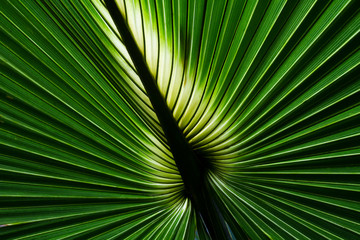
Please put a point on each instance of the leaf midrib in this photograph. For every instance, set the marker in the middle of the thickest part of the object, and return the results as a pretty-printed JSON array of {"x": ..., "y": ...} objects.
[{"x": 191, "y": 167}]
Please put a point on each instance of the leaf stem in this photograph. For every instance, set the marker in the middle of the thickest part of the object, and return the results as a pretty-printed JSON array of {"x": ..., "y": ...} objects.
[{"x": 191, "y": 170}]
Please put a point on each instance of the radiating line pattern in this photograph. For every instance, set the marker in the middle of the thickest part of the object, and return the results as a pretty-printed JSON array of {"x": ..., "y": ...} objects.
[{"x": 267, "y": 91}]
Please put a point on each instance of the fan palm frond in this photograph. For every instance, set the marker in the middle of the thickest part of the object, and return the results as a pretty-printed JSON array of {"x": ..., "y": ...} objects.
[{"x": 153, "y": 119}]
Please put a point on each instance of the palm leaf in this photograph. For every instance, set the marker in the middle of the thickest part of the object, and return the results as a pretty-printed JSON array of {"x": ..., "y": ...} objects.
[{"x": 207, "y": 119}]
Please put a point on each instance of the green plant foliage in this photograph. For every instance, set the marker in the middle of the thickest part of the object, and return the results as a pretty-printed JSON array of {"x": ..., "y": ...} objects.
[{"x": 266, "y": 92}]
